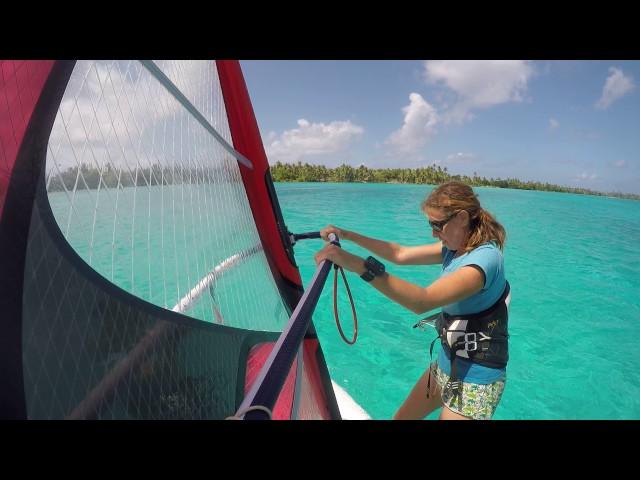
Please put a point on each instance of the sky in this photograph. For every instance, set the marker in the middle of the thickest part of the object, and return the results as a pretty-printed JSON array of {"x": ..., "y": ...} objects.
[{"x": 571, "y": 123}]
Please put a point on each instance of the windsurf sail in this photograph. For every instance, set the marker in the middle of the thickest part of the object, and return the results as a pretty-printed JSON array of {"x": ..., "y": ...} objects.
[{"x": 145, "y": 268}]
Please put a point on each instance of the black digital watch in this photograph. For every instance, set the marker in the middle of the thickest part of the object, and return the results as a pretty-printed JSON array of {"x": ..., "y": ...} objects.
[{"x": 374, "y": 269}]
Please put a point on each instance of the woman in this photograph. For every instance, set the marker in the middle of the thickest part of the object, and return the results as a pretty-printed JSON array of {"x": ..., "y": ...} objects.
[{"x": 469, "y": 376}]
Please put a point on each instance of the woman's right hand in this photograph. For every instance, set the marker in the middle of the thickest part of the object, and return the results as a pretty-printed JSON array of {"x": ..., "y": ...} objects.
[{"x": 324, "y": 233}]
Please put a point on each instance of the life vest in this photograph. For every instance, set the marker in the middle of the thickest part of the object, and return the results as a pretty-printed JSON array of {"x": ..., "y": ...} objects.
[{"x": 479, "y": 337}]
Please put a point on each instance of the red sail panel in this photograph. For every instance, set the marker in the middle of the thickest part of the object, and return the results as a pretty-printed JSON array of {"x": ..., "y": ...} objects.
[
  {"x": 21, "y": 82},
  {"x": 313, "y": 401},
  {"x": 247, "y": 141}
]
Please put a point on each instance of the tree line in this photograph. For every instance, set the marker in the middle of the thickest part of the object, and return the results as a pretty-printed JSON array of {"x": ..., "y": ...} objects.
[
  {"x": 432, "y": 175},
  {"x": 90, "y": 177}
]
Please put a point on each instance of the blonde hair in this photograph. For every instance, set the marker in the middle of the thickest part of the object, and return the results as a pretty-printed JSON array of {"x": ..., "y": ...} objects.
[{"x": 453, "y": 197}]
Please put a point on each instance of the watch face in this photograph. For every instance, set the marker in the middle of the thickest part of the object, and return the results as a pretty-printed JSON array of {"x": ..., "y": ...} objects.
[
  {"x": 368, "y": 276},
  {"x": 373, "y": 265}
]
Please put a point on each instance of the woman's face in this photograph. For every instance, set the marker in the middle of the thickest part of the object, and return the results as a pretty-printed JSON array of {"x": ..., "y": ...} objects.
[{"x": 451, "y": 229}]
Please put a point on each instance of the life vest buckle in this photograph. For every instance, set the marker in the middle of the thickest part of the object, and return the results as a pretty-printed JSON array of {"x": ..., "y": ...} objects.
[{"x": 470, "y": 342}]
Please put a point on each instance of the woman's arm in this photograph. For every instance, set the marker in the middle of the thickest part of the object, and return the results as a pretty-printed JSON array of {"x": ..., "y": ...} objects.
[
  {"x": 446, "y": 290},
  {"x": 393, "y": 252}
]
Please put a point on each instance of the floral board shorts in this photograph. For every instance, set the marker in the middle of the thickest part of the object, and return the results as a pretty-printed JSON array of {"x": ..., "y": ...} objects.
[{"x": 477, "y": 401}]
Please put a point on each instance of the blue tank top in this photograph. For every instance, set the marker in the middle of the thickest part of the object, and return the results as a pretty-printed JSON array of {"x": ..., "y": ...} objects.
[{"x": 489, "y": 258}]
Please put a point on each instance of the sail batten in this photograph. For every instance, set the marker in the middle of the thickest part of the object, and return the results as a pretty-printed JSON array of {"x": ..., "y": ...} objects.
[{"x": 162, "y": 78}]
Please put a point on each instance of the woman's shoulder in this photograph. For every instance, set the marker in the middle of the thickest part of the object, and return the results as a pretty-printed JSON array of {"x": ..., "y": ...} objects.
[
  {"x": 488, "y": 256},
  {"x": 488, "y": 248},
  {"x": 489, "y": 251}
]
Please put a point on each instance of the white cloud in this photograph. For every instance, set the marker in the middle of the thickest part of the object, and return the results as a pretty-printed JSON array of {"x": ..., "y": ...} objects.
[
  {"x": 100, "y": 116},
  {"x": 112, "y": 110},
  {"x": 586, "y": 176},
  {"x": 553, "y": 123},
  {"x": 311, "y": 139},
  {"x": 616, "y": 87},
  {"x": 479, "y": 84},
  {"x": 459, "y": 157},
  {"x": 420, "y": 120},
  {"x": 620, "y": 164},
  {"x": 271, "y": 136}
]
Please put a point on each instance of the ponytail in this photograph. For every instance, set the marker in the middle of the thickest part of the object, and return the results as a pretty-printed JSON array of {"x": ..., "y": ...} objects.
[{"x": 485, "y": 228}]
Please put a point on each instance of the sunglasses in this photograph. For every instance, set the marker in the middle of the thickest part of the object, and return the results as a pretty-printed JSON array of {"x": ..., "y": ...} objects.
[{"x": 438, "y": 225}]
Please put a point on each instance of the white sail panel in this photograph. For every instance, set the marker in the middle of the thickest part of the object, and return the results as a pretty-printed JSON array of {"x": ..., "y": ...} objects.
[{"x": 152, "y": 200}]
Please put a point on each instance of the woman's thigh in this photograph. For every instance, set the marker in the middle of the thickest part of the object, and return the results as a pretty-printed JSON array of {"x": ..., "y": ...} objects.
[{"x": 418, "y": 405}]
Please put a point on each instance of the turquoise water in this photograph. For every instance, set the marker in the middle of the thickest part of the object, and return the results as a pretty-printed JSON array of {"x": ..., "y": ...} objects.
[
  {"x": 572, "y": 262},
  {"x": 159, "y": 242},
  {"x": 574, "y": 266}
]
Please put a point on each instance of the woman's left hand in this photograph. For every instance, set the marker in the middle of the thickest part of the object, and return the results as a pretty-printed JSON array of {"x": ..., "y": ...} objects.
[{"x": 340, "y": 257}]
